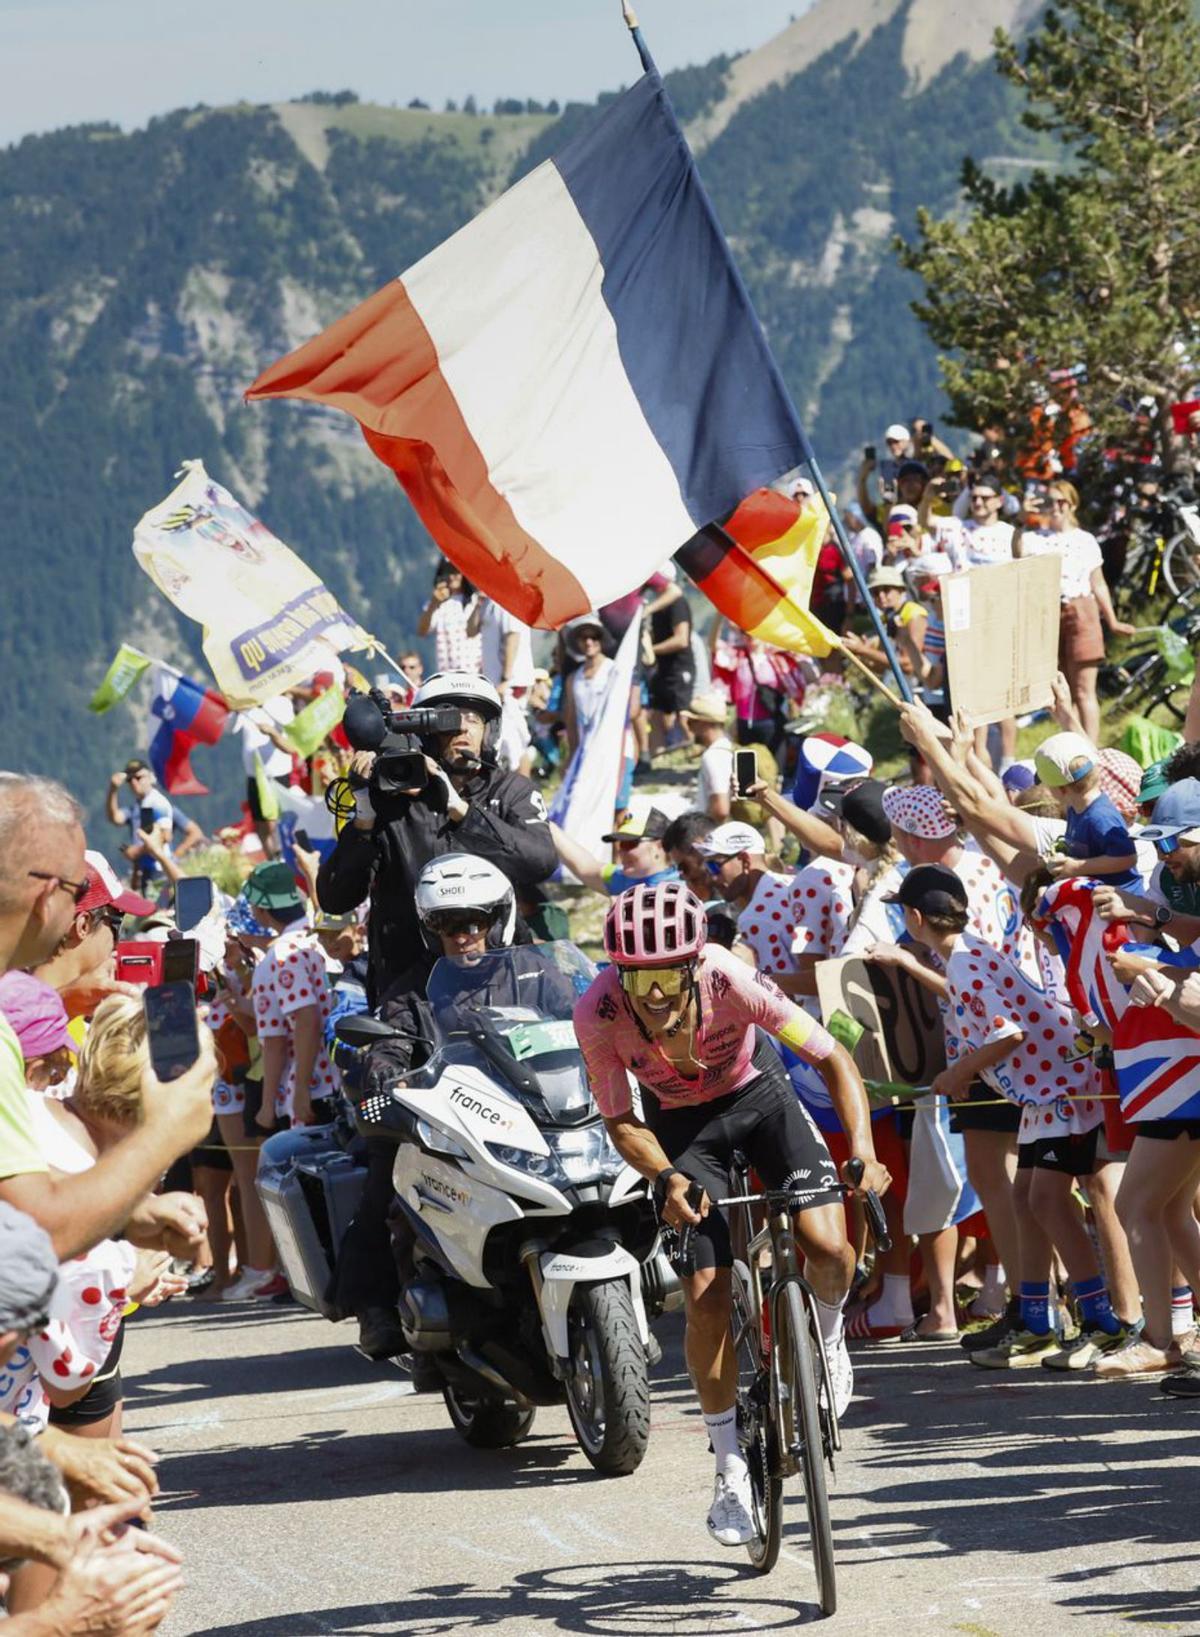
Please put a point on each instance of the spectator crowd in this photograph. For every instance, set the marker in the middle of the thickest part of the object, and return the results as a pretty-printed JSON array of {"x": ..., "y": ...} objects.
[{"x": 1048, "y": 906}]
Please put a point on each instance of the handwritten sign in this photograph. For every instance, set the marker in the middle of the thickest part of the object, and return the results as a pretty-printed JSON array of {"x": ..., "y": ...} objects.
[{"x": 901, "y": 1038}]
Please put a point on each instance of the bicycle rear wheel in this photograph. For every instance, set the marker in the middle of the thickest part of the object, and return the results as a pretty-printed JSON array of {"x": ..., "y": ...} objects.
[
  {"x": 800, "y": 1367},
  {"x": 766, "y": 1490}
]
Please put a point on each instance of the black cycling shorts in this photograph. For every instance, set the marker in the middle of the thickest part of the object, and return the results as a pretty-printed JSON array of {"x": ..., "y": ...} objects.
[
  {"x": 768, "y": 1124},
  {"x": 985, "y": 1110},
  {"x": 1073, "y": 1156},
  {"x": 1166, "y": 1130}
]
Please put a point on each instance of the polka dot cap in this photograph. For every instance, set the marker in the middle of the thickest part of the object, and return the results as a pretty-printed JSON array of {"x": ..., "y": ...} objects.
[{"x": 919, "y": 810}]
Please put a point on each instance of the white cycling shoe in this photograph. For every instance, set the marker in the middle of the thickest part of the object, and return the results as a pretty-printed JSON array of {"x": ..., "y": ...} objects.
[
  {"x": 841, "y": 1374},
  {"x": 729, "y": 1520}
]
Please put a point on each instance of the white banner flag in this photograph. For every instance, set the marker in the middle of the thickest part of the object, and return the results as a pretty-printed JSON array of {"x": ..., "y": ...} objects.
[
  {"x": 586, "y": 799},
  {"x": 269, "y": 622}
]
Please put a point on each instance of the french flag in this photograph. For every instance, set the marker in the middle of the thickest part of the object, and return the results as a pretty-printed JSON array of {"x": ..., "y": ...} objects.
[
  {"x": 575, "y": 383},
  {"x": 187, "y": 714}
]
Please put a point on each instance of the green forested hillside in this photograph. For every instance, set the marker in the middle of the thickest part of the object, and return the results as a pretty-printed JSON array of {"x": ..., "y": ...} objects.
[{"x": 146, "y": 278}]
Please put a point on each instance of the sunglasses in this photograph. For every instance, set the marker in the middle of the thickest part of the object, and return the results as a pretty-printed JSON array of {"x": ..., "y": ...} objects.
[
  {"x": 628, "y": 843},
  {"x": 639, "y": 980},
  {"x": 77, "y": 889},
  {"x": 1172, "y": 844},
  {"x": 714, "y": 866},
  {"x": 452, "y": 921}
]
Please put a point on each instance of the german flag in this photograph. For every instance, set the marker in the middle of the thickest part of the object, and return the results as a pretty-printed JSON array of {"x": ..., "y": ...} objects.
[{"x": 757, "y": 569}]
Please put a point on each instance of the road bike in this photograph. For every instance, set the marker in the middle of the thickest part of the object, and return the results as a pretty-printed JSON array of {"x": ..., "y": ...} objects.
[{"x": 787, "y": 1419}]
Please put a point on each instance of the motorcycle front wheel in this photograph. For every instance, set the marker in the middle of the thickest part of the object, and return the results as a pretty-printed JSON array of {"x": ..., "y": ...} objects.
[
  {"x": 487, "y": 1423},
  {"x": 608, "y": 1387}
]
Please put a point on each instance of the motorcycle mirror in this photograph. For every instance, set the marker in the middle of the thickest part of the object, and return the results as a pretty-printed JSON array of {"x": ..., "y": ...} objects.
[{"x": 362, "y": 1029}]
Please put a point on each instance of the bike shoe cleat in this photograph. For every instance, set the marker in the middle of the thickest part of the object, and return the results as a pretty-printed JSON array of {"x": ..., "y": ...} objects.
[{"x": 729, "y": 1520}]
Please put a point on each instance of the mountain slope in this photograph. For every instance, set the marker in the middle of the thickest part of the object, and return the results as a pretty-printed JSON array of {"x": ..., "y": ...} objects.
[{"x": 145, "y": 279}]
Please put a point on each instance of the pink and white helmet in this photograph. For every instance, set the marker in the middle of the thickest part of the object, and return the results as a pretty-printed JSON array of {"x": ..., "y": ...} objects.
[{"x": 660, "y": 925}]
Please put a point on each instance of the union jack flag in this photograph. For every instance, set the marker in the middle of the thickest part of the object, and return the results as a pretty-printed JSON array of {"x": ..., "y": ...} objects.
[{"x": 1157, "y": 1060}]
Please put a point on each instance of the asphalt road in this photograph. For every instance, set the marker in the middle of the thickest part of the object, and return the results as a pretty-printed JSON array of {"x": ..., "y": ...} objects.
[{"x": 313, "y": 1494}]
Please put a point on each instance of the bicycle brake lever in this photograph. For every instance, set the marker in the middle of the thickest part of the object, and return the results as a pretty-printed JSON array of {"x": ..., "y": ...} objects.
[{"x": 876, "y": 1220}]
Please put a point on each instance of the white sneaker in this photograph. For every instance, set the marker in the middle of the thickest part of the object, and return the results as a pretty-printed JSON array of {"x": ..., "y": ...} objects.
[
  {"x": 245, "y": 1285},
  {"x": 841, "y": 1374},
  {"x": 729, "y": 1519}
]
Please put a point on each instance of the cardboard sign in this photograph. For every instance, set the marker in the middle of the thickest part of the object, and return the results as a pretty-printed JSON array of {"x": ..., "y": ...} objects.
[
  {"x": 1002, "y": 637},
  {"x": 902, "y": 1039}
]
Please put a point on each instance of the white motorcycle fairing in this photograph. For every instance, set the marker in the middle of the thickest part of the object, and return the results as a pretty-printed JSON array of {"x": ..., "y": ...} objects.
[{"x": 559, "y": 1276}]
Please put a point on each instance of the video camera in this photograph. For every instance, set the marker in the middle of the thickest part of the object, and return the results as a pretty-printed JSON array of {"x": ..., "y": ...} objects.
[{"x": 395, "y": 738}]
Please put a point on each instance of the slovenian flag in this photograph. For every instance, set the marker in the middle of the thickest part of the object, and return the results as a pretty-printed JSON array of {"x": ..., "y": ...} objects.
[
  {"x": 183, "y": 714},
  {"x": 575, "y": 382}
]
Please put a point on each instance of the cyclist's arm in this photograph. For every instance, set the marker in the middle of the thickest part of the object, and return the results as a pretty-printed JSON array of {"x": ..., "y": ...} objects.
[
  {"x": 640, "y": 1148},
  {"x": 848, "y": 1096}
]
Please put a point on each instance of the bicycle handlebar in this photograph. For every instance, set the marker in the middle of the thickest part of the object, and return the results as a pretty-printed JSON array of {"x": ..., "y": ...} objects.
[{"x": 779, "y": 1199}]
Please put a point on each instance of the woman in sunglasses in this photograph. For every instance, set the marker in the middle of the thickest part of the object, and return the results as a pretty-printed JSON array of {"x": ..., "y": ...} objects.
[{"x": 683, "y": 1016}]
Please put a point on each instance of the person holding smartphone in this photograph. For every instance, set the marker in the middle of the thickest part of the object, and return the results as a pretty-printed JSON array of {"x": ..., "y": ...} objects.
[{"x": 149, "y": 811}]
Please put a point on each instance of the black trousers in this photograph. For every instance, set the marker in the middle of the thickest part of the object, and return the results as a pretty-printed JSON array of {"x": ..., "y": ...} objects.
[{"x": 365, "y": 1275}]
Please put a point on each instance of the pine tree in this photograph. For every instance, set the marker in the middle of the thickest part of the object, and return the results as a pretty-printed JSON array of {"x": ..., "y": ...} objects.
[{"x": 1096, "y": 263}]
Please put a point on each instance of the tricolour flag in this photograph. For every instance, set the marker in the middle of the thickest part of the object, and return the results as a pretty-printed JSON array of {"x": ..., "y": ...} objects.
[
  {"x": 121, "y": 675},
  {"x": 575, "y": 382},
  {"x": 185, "y": 714},
  {"x": 758, "y": 570}
]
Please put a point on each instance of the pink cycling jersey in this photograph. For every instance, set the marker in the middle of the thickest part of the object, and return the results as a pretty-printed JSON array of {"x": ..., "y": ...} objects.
[{"x": 734, "y": 999}]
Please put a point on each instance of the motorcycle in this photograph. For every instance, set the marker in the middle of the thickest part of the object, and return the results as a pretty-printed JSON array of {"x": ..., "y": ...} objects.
[{"x": 536, "y": 1247}]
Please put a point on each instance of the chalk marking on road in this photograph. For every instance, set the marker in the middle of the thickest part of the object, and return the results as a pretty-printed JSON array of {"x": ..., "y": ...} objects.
[
  {"x": 540, "y": 1527},
  {"x": 587, "y": 1528},
  {"x": 197, "y": 1421},
  {"x": 472, "y": 1550},
  {"x": 803, "y": 1562}
]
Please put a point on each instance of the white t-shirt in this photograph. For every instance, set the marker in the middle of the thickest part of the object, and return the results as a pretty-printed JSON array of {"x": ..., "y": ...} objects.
[
  {"x": 716, "y": 771},
  {"x": 277, "y": 713},
  {"x": 588, "y": 693},
  {"x": 496, "y": 624},
  {"x": 987, "y": 543},
  {"x": 1080, "y": 553},
  {"x": 867, "y": 546}
]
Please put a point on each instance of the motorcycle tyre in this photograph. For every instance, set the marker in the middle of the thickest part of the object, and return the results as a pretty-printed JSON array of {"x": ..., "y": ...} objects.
[
  {"x": 487, "y": 1423},
  {"x": 606, "y": 1311}
]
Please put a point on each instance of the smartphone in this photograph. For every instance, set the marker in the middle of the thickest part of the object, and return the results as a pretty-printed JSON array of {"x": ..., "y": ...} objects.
[
  {"x": 180, "y": 960},
  {"x": 193, "y": 901},
  {"x": 147, "y": 819},
  {"x": 745, "y": 770},
  {"x": 301, "y": 840},
  {"x": 868, "y": 451},
  {"x": 171, "y": 1029}
]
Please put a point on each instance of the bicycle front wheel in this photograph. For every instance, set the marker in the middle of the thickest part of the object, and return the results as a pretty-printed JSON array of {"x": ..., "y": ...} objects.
[
  {"x": 800, "y": 1365},
  {"x": 1181, "y": 564},
  {"x": 766, "y": 1489}
]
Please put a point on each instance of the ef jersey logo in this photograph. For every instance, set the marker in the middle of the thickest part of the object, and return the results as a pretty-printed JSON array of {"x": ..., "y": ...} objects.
[{"x": 1008, "y": 910}]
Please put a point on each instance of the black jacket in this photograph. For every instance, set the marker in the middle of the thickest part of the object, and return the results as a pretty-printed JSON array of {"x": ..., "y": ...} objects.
[{"x": 506, "y": 824}]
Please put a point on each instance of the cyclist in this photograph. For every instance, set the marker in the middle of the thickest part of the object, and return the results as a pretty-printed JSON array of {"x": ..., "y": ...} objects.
[{"x": 683, "y": 1017}]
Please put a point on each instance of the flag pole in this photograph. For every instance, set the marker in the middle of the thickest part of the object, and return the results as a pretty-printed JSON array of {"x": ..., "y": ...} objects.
[
  {"x": 806, "y": 448},
  {"x": 871, "y": 676}
]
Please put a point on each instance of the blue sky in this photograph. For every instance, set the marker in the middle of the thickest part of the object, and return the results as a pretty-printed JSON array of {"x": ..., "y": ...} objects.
[{"x": 63, "y": 62}]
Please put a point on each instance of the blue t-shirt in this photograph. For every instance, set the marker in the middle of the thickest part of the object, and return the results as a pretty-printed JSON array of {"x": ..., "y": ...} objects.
[
  {"x": 616, "y": 881},
  {"x": 163, "y": 811},
  {"x": 1099, "y": 832}
]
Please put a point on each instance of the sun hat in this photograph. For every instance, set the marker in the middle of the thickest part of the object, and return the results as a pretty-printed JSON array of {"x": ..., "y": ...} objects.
[
  {"x": 708, "y": 707},
  {"x": 1176, "y": 811},
  {"x": 272, "y": 886},
  {"x": 728, "y": 839},
  {"x": 1120, "y": 780},
  {"x": 105, "y": 889},
  {"x": 648, "y": 826},
  {"x": 35, "y": 1013},
  {"x": 1055, "y": 759}
]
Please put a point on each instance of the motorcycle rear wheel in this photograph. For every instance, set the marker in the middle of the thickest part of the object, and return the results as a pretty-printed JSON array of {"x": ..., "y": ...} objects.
[
  {"x": 487, "y": 1423},
  {"x": 608, "y": 1387}
]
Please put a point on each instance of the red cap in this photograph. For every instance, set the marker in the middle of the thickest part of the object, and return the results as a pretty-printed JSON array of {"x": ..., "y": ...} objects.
[{"x": 104, "y": 889}]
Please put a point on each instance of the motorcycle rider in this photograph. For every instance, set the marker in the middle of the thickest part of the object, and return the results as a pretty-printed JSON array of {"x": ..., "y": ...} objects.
[
  {"x": 464, "y": 906},
  {"x": 467, "y": 806},
  {"x": 682, "y": 1016}
]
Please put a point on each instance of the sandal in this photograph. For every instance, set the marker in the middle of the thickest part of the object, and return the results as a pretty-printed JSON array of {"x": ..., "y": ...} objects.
[{"x": 913, "y": 1334}]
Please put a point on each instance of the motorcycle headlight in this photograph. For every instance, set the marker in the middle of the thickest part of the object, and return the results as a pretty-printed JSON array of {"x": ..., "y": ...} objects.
[
  {"x": 440, "y": 1142},
  {"x": 544, "y": 1166},
  {"x": 585, "y": 1155}
]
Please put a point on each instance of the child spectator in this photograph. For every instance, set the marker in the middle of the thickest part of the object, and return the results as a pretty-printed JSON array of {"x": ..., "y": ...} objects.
[
  {"x": 1003, "y": 1029},
  {"x": 1097, "y": 842}
]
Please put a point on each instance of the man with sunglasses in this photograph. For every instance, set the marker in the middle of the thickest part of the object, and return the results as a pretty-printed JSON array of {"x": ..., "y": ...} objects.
[
  {"x": 640, "y": 855},
  {"x": 687, "y": 1019},
  {"x": 83, "y": 968},
  {"x": 43, "y": 881}
]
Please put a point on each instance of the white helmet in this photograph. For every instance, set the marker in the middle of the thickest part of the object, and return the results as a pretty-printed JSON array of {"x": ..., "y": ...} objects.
[
  {"x": 459, "y": 688},
  {"x": 460, "y": 881}
]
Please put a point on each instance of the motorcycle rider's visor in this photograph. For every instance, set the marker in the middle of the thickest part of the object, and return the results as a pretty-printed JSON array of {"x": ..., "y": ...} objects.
[
  {"x": 452, "y": 921},
  {"x": 639, "y": 980}
]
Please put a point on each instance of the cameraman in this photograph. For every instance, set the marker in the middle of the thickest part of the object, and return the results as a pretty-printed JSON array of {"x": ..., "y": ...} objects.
[{"x": 466, "y": 805}]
